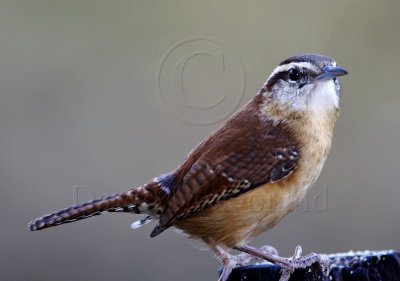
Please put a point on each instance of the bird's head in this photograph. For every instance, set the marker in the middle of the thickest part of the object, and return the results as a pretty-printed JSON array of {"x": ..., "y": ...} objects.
[{"x": 304, "y": 83}]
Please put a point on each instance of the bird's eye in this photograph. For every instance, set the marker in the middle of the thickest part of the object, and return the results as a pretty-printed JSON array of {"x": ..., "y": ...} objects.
[{"x": 294, "y": 74}]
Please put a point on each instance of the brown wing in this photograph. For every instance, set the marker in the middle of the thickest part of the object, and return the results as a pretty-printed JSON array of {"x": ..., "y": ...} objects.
[{"x": 234, "y": 160}]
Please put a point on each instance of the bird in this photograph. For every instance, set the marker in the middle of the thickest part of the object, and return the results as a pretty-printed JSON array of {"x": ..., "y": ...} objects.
[{"x": 247, "y": 175}]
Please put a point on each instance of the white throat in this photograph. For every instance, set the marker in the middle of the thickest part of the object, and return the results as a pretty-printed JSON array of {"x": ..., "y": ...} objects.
[{"x": 323, "y": 98}]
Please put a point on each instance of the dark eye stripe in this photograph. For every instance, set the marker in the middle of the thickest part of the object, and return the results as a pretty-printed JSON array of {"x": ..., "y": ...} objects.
[{"x": 275, "y": 78}]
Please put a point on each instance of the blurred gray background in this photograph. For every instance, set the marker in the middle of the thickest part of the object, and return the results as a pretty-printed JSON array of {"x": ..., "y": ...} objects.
[{"x": 80, "y": 105}]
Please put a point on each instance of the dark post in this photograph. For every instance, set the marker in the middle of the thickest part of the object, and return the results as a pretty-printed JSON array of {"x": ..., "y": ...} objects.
[{"x": 352, "y": 266}]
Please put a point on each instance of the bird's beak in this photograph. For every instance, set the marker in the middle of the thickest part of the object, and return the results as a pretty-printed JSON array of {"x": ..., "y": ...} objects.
[{"x": 331, "y": 72}]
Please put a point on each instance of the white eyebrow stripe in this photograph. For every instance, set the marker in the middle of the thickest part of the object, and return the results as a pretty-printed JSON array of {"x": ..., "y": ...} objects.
[{"x": 286, "y": 67}]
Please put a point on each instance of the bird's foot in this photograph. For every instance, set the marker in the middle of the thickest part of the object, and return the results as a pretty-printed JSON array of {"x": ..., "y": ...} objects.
[
  {"x": 297, "y": 261},
  {"x": 288, "y": 265},
  {"x": 230, "y": 262}
]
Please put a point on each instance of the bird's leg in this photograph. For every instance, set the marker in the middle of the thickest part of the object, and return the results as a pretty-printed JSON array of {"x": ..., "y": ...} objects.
[
  {"x": 265, "y": 249},
  {"x": 288, "y": 265},
  {"x": 229, "y": 261}
]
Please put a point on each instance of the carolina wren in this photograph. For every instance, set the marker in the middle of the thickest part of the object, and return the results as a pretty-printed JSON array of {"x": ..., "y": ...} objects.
[{"x": 247, "y": 175}]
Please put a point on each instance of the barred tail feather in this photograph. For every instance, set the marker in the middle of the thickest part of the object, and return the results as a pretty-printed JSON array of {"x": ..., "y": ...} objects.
[{"x": 134, "y": 198}]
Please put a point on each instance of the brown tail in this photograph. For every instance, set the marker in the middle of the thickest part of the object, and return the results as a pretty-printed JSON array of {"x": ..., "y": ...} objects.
[{"x": 147, "y": 195}]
